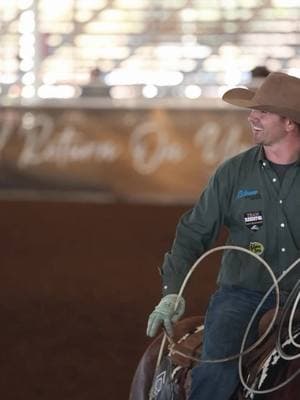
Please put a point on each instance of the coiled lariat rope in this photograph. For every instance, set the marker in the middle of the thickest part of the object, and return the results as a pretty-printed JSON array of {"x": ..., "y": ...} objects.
[
  {"x": 243, "y": 352},
  {"x": 291, "y": 319},
  {"x": 285, "y": 309},
  {"x": 278, "y": 344}
]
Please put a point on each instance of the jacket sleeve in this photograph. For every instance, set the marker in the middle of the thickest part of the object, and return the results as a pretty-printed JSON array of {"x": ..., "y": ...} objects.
[{"x": 196, "y": 232}]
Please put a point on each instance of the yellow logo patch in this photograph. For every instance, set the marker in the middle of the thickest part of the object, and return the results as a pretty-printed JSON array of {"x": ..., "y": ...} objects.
[{"x": 256, "y": 248}]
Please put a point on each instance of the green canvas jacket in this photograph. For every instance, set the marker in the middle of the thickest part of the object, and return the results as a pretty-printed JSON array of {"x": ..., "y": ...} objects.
[{"x": 262, "y": 215}]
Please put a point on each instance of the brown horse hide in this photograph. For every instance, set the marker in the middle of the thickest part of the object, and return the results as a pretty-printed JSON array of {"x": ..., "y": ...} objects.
[
  {"x": 144, "y": 375},
  {"x": 170, "y": 380}
]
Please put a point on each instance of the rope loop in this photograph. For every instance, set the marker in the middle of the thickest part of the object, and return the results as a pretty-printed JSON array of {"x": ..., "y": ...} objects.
[{"x": 239, "y": 356}]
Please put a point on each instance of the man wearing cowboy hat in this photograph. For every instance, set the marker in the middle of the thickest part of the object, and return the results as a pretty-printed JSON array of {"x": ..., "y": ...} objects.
[{"x": 256, "y": 195}]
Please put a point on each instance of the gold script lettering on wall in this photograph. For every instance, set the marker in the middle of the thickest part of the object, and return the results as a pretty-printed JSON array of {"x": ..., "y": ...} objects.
[
  {"x": 133, "y": 154},
  {"x": 215, "y": 146}
]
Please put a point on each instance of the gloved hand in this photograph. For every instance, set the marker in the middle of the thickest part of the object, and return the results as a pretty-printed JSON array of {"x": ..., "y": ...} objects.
[{"x": 165, "y": 314}]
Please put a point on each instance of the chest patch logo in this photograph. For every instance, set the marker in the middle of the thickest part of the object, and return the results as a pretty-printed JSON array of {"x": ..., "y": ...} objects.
[
  {"x": 256, "y": 248},
  {"x": 248, "y": 194},
  {"x": 253, "y": 220}
]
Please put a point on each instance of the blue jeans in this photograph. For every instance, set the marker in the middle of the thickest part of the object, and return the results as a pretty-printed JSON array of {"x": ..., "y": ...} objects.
[{"x": 228, "y": 314}]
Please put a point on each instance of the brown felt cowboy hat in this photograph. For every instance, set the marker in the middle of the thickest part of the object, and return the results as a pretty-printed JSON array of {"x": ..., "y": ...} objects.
[{"x": 279, "y": 93}]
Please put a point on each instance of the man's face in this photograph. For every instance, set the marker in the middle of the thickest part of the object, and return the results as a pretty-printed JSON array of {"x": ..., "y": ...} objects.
[{"x": 267, "y": 128}]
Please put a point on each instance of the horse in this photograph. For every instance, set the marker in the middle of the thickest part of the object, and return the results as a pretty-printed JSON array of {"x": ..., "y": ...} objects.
[{"x": 263, "y": 368}]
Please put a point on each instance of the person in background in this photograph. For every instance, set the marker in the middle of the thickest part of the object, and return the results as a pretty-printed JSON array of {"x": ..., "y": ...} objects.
[
  {"x": 256, "y": 195},
  {"x": 96, "y": 86},
  {"x": 96, "y": 76},
  {"x": 258, "y": 74}
]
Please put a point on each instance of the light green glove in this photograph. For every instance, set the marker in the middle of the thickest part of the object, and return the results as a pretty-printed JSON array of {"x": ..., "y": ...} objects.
[{"x": 164, "y": 314}]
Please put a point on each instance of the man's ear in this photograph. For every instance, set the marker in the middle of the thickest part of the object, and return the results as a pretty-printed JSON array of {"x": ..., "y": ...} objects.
[{"x": 290, "y": 125}]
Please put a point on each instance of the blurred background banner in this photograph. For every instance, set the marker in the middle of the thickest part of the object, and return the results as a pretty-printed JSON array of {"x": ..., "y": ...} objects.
[{"x": 157, "y": 154}]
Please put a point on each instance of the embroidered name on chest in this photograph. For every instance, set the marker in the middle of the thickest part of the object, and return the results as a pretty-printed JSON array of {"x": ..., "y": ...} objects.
[
  {"x": 253, "y": 220},
  {"x": 248, "y": 194}
]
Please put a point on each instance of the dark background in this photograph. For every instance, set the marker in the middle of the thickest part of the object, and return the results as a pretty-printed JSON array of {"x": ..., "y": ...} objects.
[{"x": 77, "y": 284}]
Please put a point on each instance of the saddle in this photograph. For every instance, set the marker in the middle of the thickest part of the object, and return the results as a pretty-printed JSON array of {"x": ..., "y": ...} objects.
[
  {"x": 172, "y": 379},
  {"x": 257, "y": 362}
]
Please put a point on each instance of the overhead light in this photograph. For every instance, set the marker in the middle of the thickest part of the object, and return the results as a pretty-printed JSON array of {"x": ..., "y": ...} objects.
[
  {"x": 150, "y": 91},
  {"x": 141, "y": 77},
  {"x": 192, "y": 91},
  {"x": 56, "y": 91},
  {"x": 28, "y": 92}
]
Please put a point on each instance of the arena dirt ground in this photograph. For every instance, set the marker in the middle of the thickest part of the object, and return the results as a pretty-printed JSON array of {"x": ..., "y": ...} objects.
[{"x": 77, "y": 282}]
